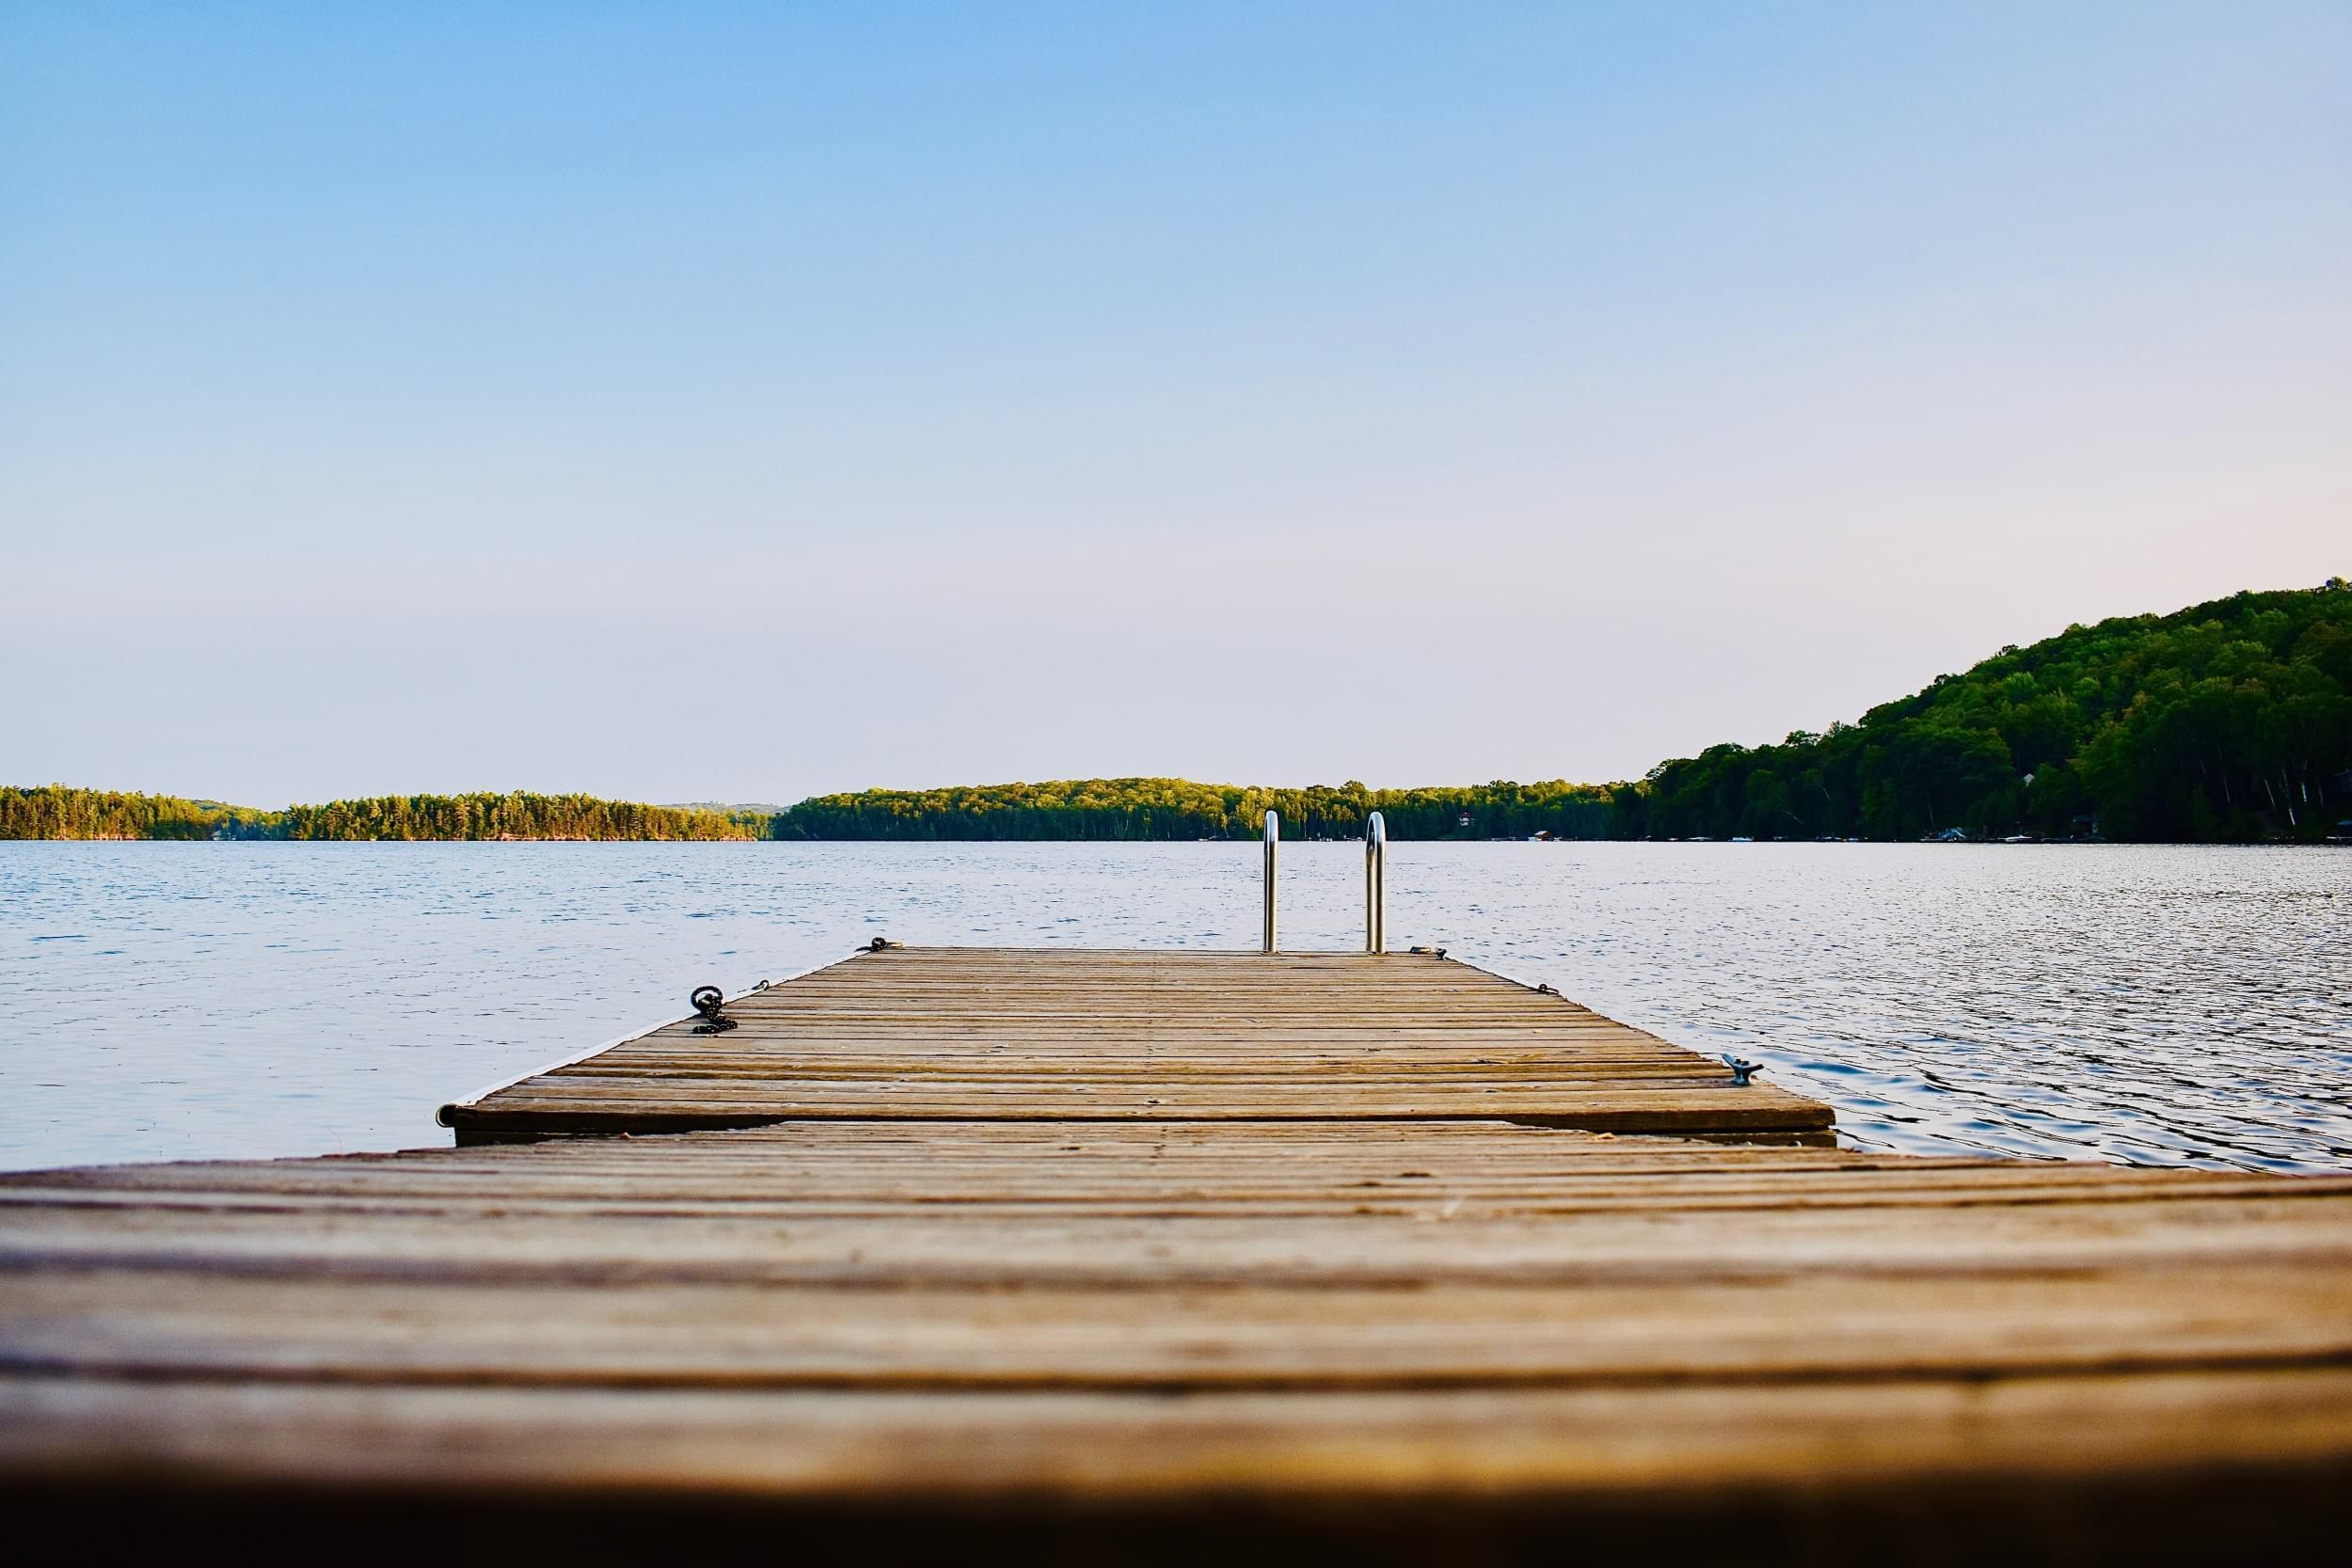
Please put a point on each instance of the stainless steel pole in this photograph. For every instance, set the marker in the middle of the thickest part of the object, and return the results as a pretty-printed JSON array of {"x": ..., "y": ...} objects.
[
  {"x": 1272, "y": 849},
  {"x": 1375, "y": 883}
]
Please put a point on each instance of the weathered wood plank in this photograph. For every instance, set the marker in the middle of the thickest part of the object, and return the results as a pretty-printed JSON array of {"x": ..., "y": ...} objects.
[
  {"x": 961, "y": 1254},
  {"x": 1678, "y": 1443},
  {"x": 1004, "y": 1310},
  {"x": 1075, "y": 1034},
  {"x": 1079, "y": 1234}
]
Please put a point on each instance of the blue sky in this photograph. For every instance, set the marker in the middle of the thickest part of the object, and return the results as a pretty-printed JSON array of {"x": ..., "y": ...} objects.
[{"x": 696, "y": 401}]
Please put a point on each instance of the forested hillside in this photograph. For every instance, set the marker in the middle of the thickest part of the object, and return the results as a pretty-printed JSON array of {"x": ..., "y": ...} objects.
[
  {"x": 2230, "y": 721},
  {"x": 2227, "y": 721}
]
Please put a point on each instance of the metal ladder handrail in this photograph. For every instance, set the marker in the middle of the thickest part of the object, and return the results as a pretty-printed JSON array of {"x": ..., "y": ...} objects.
[
  {"x": 1376, "y": 881},
  {"x": 1272, "y": 849}
]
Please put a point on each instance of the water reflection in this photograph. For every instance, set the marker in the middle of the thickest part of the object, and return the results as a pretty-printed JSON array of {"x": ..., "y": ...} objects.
[{"x": 2160, "y": 1006}]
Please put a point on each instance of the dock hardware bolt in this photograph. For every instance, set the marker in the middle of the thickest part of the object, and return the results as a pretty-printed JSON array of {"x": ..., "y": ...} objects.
[
  {"x": 1740, "y": 1070},
  {"x": 707, "y": 1001}
]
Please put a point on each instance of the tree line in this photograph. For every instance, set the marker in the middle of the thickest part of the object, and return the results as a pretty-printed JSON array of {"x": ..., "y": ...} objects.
[
  {"x": 2229, "y": 722},
  {"x": 1180, "y": 809},
  {"x": 58, "y": 811}
]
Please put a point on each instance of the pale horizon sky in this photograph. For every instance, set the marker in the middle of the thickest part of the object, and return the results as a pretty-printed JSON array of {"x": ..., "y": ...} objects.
[{"x": 745, "y": 401}]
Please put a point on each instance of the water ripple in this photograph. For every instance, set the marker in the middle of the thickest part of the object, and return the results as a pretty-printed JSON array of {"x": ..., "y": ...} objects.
[{"x": 2159, "y": 1006}]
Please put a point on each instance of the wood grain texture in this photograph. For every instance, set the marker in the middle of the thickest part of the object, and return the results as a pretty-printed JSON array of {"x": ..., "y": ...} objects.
[
  {"x": 1399, "y": 1333},
  {"x": 1155, "y": 1259},
  {"x": 917, "y": 1033}
]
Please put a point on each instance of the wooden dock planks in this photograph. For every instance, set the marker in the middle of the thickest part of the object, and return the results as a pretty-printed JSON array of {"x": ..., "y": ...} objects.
[
  {"x": 1108, "y": 1316},
  {"x": 1081, "y": 1035},
  {"x": 1185, "y": 1333}
]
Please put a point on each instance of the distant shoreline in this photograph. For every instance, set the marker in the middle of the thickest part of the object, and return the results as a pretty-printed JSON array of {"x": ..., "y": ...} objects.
[
  {"x": 2336, "y": 840},
  {"x": 2227, "y": 723},
  {"x": 1569, "y": 814}
]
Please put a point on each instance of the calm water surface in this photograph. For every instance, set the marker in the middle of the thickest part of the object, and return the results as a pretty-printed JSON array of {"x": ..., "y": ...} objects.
[{"x": 2160, "y": 1006}]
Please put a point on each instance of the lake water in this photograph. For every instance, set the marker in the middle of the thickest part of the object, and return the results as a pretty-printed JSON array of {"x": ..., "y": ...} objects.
[{"x": 2165, "y": 1006}]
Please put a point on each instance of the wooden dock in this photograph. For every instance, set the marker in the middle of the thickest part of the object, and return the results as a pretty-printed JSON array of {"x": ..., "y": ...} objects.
[
  {"x": 1140, "y": 1256},
  {"x": 1071, "y": 1034}
]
